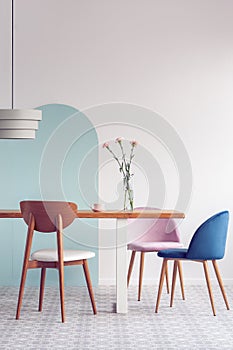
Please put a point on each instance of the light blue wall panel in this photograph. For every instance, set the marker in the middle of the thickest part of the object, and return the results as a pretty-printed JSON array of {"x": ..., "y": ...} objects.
[{"x": 60, "y": 164}]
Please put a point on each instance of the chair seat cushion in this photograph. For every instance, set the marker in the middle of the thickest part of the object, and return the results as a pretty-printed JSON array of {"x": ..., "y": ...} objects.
[
  {"x": 69, "y": 255},
  {"x": 153, "y": 246},
  {"x": 173, "y": 253}
]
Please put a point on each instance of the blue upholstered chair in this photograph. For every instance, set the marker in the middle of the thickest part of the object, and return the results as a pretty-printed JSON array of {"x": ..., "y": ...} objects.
[{"x": 207, "y": 243}]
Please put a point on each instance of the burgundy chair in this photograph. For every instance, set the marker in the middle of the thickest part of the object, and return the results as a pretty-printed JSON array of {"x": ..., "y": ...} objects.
[
  {"x": 152, "y": 235},
  {"x": 51, "y": 216}
]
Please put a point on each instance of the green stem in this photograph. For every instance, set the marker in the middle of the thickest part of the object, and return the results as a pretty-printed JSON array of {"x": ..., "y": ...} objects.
[
  {"x": 125, "y": 200},
  {"x": 115, "y": 157},
  {"x": 130, "y": 199},
  {"x": 123, "y": 154},
  {"x": 131, "y": 154}
]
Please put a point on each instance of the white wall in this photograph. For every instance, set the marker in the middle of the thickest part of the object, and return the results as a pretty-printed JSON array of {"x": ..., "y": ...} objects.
[
  {"x": 5, "y": 56},
  {"x": 173, "y": 57}
]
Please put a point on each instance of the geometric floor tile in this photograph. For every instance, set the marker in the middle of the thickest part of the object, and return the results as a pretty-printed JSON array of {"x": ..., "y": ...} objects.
[{"x": 189, "y": 324}]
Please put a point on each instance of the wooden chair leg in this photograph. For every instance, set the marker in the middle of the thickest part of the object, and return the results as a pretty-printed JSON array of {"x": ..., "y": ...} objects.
[
  {"x": 62, "y": 292},
  {"x": 167, "y": 280},
  {"x": 25, "y": 263},
  {"x": 61, "y": 267},
  {"x": 173, "y": 281},
  {"x": 219, "y": 278},
  {"x": 42, "y": 284},
  {"x": 142, "y": 258},
  {"x": 162, "y": 274},
  {"x": 181, "y": 278},
  {"x": 209, "y": 285},
  {"x": 130, "y": 266},
  {"x": 21, "y": 291},
  {"x": 89, "y": 285}
]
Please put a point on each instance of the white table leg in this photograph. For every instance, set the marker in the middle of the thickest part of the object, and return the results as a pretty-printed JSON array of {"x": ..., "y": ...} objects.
[{"x": 121, "y": 266}]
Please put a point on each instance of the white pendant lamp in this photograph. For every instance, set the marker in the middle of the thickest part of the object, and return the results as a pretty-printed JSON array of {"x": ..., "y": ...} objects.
[{"x": 17, "y": 123}]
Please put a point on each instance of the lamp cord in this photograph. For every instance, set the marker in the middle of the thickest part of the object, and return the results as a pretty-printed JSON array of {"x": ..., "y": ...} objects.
[{"x": 12, "y": 54}]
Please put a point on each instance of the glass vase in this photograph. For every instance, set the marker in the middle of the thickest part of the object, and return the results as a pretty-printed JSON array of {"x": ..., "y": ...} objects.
[{"x": 128, "y": 195}]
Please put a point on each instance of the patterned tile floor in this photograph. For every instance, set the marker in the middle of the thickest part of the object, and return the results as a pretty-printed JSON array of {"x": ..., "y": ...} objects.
[{"x": 188, "y": 325}]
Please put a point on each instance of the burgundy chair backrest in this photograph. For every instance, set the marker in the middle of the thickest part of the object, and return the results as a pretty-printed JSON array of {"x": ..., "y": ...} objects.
[{"x": 46, "y": 213}]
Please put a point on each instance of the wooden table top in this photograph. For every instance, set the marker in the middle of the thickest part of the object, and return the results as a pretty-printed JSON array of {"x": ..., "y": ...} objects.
[{"x": 108, "y": 214}]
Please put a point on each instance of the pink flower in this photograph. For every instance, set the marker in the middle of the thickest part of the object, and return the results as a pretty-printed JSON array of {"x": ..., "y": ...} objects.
[
  {"x": 119, "y": 139},
  {"x": 134, "y": 143},
  {"x": 106, "y": 145}
]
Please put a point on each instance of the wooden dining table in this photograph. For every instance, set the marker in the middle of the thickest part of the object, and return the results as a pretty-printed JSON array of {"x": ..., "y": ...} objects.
[{"x": 121, "y": 239}]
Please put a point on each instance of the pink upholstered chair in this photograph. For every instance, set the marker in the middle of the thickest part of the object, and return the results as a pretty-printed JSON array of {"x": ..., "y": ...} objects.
[{"x": 152, "y": 235}]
